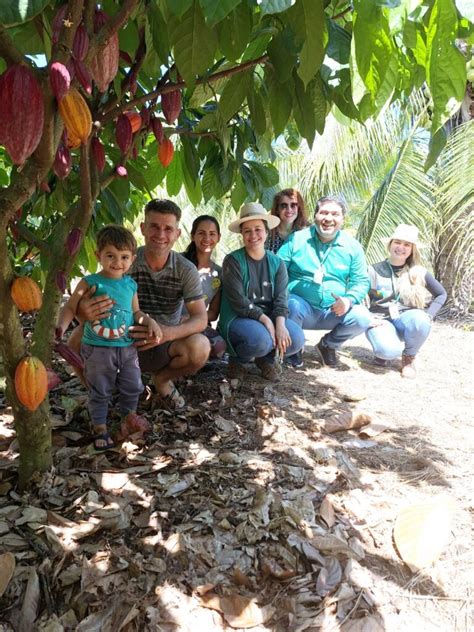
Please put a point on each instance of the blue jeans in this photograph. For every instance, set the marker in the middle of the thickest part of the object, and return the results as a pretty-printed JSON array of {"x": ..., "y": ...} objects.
[
  {"x": 353, "y": 323},
  {"x": 405, "y": 334},
  {"x": 251, "y": 339}
]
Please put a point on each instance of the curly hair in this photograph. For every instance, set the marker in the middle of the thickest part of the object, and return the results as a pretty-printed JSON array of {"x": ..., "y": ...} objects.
[{"x": 301, "y": 220}]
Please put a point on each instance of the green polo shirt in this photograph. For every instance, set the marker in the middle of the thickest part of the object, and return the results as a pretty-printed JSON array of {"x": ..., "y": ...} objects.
[{"x": 341, "y": 263}]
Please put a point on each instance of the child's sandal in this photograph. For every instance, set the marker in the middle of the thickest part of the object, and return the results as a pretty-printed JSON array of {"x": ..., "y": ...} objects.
[{"x": 109, "y": 442}]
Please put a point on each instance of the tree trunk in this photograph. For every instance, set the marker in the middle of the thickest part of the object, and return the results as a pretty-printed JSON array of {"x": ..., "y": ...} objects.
[{"x": 33, "y": 430}]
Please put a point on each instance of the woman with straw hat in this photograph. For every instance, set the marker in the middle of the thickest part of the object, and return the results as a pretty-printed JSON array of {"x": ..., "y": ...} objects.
[
  {"x": 254, "y": 307},
  {"x": 405, "y": 298}
]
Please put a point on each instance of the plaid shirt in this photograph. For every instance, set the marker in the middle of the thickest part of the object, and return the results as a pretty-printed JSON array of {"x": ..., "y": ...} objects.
[{"x": 161, "y": 294}]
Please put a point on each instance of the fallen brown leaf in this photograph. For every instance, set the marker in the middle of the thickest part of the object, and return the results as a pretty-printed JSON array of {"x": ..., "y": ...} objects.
[
  {"x": 346, "y": 421},
  {"x": 7, "y": 568},
  {"x": 238, "y": 611}
]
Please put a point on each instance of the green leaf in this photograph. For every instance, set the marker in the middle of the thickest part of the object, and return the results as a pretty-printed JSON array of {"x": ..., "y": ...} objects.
[
  {"x": 234, "y": 32},
  {"x": 372, "y": 46},
  {"x": 267, "y": 175},
  {"x": 238, "y": 194},
  {"x": 18, "y": 11},
  {"x": 437, "y": 144},
  {"x": 233, "y": 95},
  {"x": 129, "y": 38},
  {"x": 191, "y": 158},
  {"x": 193, "y": 187},
  {"x": 274, "y": 6},
  {"x": 211, "y": 185},
  {"x": 320, "y": 106},
  {"x": 283, "y": 54},
  {"x": 159, "y": 31},
  {"x": 311, "y": 25},
  {"x": 194, "y": 43},
  {"x": 179, "y": 7},
  {"x": 214, "y": 11},
  {"x": 280, "y": 97},
  {"x": 445, "y": 65},
  {"x": 205, "y": 92},
  {"x": 174, "y": 175},
  {"x": 111, "y": 206},
  {"x": 257, "y": 110},
  {"x": 339, "y": 43},
  {"x": 303, "y": 111}
]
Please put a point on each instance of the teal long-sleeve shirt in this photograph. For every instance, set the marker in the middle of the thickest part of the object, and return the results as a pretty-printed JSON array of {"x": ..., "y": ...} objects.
[{"x": 342, "y": 260}]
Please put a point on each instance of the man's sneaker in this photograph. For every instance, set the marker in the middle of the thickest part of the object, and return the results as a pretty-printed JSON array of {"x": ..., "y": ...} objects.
[
  {"x": 326, "y": 354},
  {"x": 268, "y": 370},
  {"x": 295, "y": 360}
]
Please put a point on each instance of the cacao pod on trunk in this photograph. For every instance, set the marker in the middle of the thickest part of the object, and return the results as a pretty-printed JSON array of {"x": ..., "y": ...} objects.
[
  {"x": 135, "y": 121},
  {"x": 21, "y": 112},
  {"x": 60, "y": 79},
  {"x": 165, "y": 152},
  {"x": 157, "y": 128},
  {"x": 31, "y": 382},
  {"x": 76, "y": 116},
  {"x": 58, "y": 22},
  {"x": 61, "y": 281},
  {"x": 171, "y": 105},
  {"x": 73, "y": 241},
  {"x": 71, "y": 357},
  {"x": 98, "y": 153},
  {"x": 83, "y": 76},
  {"x": 104, "y": 65},
  {"x": 123, "y": 133},
  {"x": 80, "y": 45},
  {"x": 26, "y": 294},
  {"x": 62, "y": 162}
]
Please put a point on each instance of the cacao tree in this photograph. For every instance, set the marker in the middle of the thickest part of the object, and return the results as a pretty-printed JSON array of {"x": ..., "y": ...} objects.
[{"x": 99, "y": 104}]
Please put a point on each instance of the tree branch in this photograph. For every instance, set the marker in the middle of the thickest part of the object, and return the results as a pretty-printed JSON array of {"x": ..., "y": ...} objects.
[{"x": 8, "y": 50}]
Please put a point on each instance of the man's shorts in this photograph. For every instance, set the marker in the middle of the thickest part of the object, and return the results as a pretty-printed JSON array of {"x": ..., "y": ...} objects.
[{"x": 154, "y": 359}]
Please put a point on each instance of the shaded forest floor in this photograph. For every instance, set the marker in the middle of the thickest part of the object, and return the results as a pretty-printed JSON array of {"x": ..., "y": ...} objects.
[{"x": 245, "y": 512}]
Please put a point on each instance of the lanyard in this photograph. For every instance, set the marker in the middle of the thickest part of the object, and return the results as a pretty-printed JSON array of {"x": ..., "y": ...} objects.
[{"x": 326, "y": 254}]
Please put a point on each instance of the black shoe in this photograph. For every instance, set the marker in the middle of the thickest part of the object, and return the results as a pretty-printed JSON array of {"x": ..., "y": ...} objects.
[
  {"x": 295, "y": 360},
  {"x": 326, "y": 354}
]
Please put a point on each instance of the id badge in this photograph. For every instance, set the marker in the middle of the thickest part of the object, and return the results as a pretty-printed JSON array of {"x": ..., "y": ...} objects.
[
  {"x": 393, "y": 311},
  {"x": 318, "y": 276}
]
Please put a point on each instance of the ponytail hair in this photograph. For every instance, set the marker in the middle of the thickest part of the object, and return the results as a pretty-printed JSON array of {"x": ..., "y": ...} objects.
[{"x": 191, "y": 253}]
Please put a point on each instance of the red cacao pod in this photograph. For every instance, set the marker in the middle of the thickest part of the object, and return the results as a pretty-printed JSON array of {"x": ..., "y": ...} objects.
[
  {"x": 58, "y": 22},
  {"x": 71, "y": 68},
  {"x": 31, "y": 382},
  {"x": 26, "y": 294},
  {"x": 171, "y": 105},
  {"x": 104, "y": 65},
  {"x": 165, "y": 152},
  {"x": 71, "y": 357},
  {"x": 60, "y": 79},
  {"x": 157, "y": 128},
  {"x": 73, "y": 241},
  {"x": 121, "y": 171},
  {"x": 83, "y": 76},
  {"x": 135, "y": 121},
  {"x": 21, "y": 112},
  {"x": 98, "y": 153},
  {"x": 61, "y": 281},
  {"x": 62, "y": 162},
  {"x": 80, "y": 45},
  {"x": 76, "y": 116},
  {"x": 123, "y": 133}
]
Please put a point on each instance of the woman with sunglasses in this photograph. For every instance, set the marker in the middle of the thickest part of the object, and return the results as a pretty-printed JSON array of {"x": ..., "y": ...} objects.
[{"x": 288, "y": 206}]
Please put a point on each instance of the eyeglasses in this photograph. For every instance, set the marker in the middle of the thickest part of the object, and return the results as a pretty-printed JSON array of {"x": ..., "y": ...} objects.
[{"x": 284, "y": 205}]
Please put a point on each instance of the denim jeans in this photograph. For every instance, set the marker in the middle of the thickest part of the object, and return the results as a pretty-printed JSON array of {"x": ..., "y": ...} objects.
[
  {"x": 342, "y": 328},
  {"x": 405, "y": 334},
  {"x": 251, "y": 339}
]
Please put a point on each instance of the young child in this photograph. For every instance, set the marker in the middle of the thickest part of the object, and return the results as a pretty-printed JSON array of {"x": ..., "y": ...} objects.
[{"x": 110, "y": 358}]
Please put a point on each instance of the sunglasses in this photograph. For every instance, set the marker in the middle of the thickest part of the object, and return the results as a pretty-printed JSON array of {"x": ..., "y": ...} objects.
[{"x": 284, "y": 205}]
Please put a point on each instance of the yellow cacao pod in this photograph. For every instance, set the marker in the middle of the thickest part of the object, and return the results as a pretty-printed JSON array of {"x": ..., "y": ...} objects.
[
  {"x": 76, "y": 115},
  {"x": 31, "y": 382},
  {"x": 26, "y": 294}
]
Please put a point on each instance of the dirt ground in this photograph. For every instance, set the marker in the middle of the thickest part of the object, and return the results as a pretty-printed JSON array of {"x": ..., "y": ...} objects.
[{"x": 244, "y": 512}]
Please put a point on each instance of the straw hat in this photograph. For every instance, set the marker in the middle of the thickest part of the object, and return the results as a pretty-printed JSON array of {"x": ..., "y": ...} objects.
[
  {"x": 405, "y": 232},
  {"x": 253, "y": 210}
]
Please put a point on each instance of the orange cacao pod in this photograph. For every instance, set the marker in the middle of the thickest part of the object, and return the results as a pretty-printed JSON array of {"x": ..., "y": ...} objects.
[
  {"x": 171, "y": 105},
  {"x": 21, "y": 112},
  {"x": 76, "y": 116},
  {"x": 31, "y": 382},
  {"x": 104, "y": 65},
  {"x": 165, "y": 152},
  {"x": 26, "y": 294},
  {"x": 135, "y": 120}
]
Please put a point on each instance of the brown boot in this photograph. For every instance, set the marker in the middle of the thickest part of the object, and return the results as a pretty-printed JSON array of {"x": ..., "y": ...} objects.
[{"x": 408, "y": 367}]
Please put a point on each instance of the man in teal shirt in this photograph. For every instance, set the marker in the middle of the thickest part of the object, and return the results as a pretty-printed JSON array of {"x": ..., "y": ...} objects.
[{"x": 328, "y": 280}]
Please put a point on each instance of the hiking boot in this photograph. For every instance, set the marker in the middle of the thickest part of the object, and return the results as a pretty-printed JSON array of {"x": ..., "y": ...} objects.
[
  {"x": 235, "y": 370},
  {"x": 408, "y": 367},
  {"x": 326, "y": 354},
  {"x": 295, "y": 360},
  {"x": 268, "y": 371}
]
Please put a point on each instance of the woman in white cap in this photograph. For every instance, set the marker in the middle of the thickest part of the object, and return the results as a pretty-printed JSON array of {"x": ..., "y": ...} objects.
[
  {"x": 405, "y": 298},
  {"x": 254, "y": 307}
]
